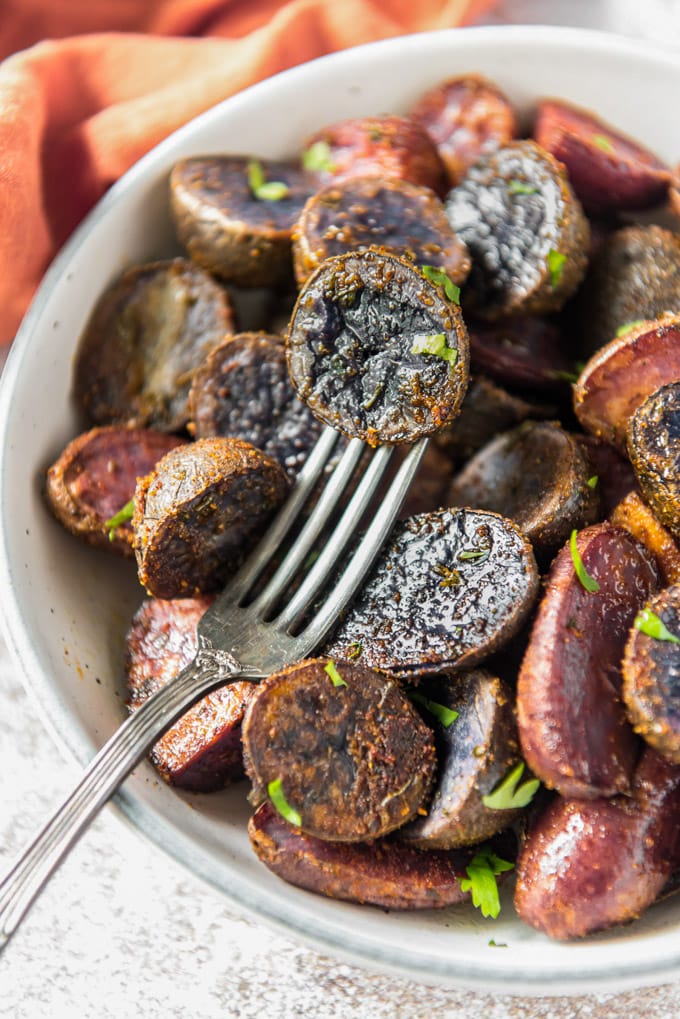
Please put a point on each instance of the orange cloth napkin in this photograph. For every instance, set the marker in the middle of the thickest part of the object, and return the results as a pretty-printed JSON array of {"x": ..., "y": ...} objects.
[{"x": 111, "y": 78}]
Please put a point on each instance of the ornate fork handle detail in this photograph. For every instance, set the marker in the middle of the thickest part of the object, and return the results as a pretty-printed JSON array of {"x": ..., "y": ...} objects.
[{"x": 116, "y": 759}]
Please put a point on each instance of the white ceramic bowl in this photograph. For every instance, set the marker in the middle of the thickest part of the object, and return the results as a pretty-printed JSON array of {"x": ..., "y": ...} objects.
[{"x": 66, "y": 607}]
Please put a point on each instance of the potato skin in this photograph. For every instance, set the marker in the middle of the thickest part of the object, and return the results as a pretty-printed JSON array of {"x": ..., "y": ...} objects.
[
  {"x": 465, "y": 116},
  {"x": 608, "y": 170},
  {"x": 589, "y": 864},
  {"x": 381, "y": 873},
  {"x": 621, "y": 375},
  {"x": 572, "y": 722},
  {"x": 634, "y": 515},
  {"x": 95, "y": 476},
  {"x": 384, "y": 147},
  {"x": 202, "y": 750},
  {"x": 634, "y": 275},
  {"x": 475, "y": 753},
  {"x": 364, "y": 212}
]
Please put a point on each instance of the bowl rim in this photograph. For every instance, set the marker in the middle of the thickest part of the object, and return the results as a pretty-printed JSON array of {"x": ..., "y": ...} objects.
[{"x": 69, "y": 735}]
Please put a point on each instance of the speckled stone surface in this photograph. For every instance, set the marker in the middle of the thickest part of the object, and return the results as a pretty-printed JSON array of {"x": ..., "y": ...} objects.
[{"x": 123, "y": 931}]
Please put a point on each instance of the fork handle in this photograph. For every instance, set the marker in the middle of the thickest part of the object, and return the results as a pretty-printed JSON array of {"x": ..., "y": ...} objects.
[{"x": 114, "y": 762}]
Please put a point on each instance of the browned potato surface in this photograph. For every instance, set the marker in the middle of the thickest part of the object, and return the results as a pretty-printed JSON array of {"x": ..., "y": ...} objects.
[
  {"x": 350, "y": 751},
  {"x": 199, "y": 510}
]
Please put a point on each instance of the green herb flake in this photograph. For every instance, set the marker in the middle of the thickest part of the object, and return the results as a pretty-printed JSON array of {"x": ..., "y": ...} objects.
[
  {"x": 565, "y": 376},
  {"x": 518, "y": 187},
  {"x": 262, "y": 189},
  {"x": 354, "y": 651},
  {"x": 586, "y": 580},
  {"x": 447, "y": 716},
  {"x": 434, "y": 344},
  {"x": 592, "y": 482},
  {"x": 124, "y": 514},
  {"x": 278, "y": 798},
  {"x": 436, "y": 275},
  {"x": 481, "y": 881},
  {"x": 318, "y": 157},
  {"x": 497, "y": 944},
  {"x": 556, "y": 262},
  {"x": 628, "y": 326},
  {"x": 471, "y": 553},
  {"x": 648, "y": 622},
  {"x": 332, "y": 671},
  {"x": 509, "y": 794},
  {"x": 603, "y": 143}
]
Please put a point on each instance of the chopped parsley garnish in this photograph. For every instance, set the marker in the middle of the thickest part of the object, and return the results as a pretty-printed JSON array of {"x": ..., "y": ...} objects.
[
  {"x": 509, "y": 794},
  {"x": 603, "y": 142},
  {"x": 497, "y": 944},
  {"x": 332, "y": 671},
  {"x": 124, "y": 514},
  {"x": 472, "y": 553},
  {"x": 565, "y": 376},
  {"x": 278, "y": 798},
  {"x": 518, "y": 187},
  {"x": 556, "y": 262},
  {"x": 318, "y": 157},
  {"x": 481, "y": 881},
  {"x": 436, "y": 275},
  {"x": 627, "y": 326},
  {"x": 354, "y": 650},
  {"x": 434, "y": 344},
  {"x": 447, "y": 716},
  {"x": 592, "y": 481},
  {"x": 263, "y": 189},
  {"x": 569, "y": 376},
  {"x": 587, "y": 581},
  {"x": 648, "y": 622}
]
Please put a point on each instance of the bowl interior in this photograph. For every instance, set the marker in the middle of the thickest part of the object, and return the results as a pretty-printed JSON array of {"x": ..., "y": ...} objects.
[{"x": 67, "y": 607}]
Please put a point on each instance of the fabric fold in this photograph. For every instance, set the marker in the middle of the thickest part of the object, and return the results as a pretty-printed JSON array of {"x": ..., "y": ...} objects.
[{"x": 111, "y": 79}]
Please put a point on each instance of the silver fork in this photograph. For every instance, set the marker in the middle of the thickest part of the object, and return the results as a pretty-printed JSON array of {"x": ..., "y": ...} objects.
[{"x": 236, "y": 639}]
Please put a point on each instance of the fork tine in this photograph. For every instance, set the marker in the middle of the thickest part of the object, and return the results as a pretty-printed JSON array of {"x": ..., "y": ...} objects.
[
  {"x": 366, "y": 552},
  {"x": 304, "y": 541},
  {"x": 346, "y": 527},
  {"x": 262, "y": 554}
]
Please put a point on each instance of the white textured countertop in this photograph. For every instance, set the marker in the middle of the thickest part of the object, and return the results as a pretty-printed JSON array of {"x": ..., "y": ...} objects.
[{"x": 124, "y": 931}]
